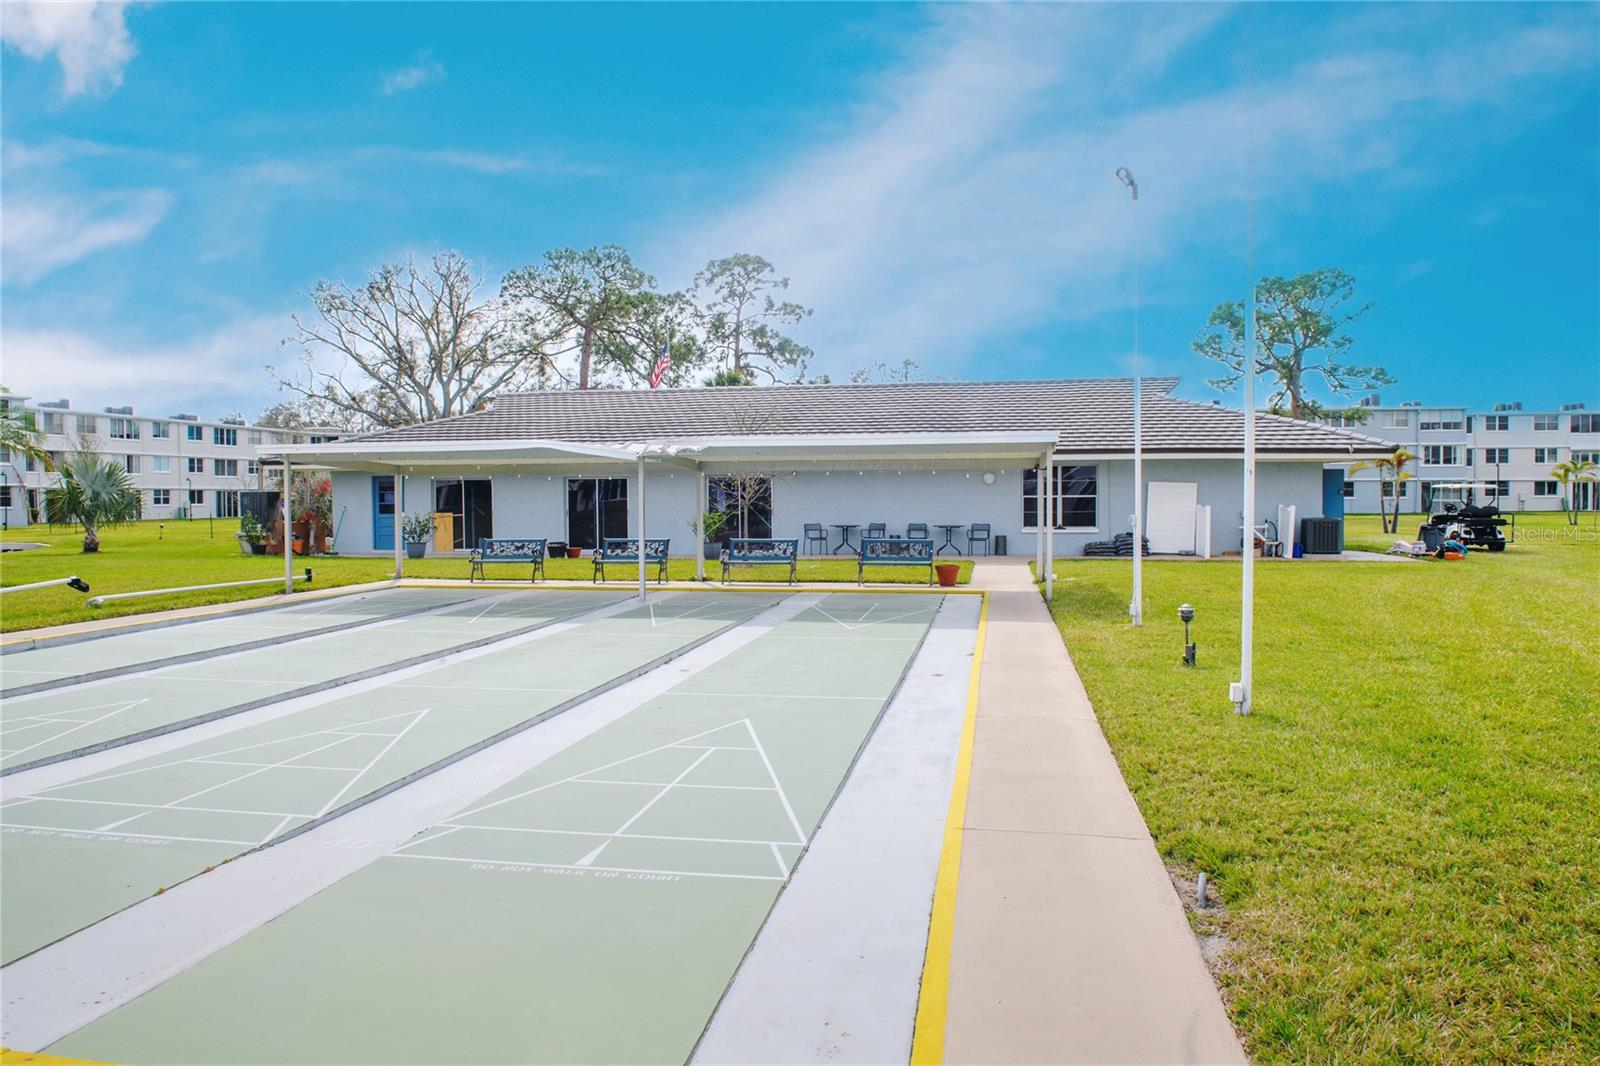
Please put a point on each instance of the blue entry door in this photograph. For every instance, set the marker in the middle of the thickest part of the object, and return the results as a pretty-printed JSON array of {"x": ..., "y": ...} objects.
[{"x": 383, "y": 513}]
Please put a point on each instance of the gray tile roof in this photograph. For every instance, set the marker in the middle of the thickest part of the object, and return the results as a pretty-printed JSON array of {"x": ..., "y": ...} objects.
[{"x": 1091, "y": 416}]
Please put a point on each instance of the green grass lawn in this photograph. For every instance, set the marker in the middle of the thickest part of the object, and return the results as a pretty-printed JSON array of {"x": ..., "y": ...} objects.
[
  {"x": 1406, "y": 833},
  {"x": 147, "y": 555}
]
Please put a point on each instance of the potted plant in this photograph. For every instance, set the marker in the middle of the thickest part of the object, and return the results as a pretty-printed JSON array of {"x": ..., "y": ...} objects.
[
  {"x": 252, "y": 536},
  {"x": 417, "y": 530},
  {"x": 712, "y": 525}
]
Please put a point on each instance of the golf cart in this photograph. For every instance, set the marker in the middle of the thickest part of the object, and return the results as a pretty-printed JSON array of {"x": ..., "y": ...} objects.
[{"x": 1459, "y": 517}]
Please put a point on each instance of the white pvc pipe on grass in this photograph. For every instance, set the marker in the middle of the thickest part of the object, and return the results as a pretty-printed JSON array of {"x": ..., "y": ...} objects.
[{"x": 96, "y": 601}]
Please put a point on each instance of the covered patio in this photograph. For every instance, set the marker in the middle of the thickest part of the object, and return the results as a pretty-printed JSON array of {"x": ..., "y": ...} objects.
[{"x": 904, "y": 481}]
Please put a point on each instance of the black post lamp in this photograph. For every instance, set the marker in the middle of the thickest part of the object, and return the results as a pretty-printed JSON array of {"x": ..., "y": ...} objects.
[{"x": 1186, "y": 612}]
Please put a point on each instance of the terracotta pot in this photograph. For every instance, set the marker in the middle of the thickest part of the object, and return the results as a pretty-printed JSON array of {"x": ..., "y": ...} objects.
[
  {"x": 948, "y": 573},
  {"x": 574, "y": 553}
]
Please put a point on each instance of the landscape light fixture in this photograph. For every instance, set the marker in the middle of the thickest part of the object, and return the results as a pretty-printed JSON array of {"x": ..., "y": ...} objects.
[{"x": 1186, "y": 613}]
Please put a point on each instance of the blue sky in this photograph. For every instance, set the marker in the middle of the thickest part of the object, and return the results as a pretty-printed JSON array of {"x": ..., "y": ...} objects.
[{"x": 937, "y": 181}]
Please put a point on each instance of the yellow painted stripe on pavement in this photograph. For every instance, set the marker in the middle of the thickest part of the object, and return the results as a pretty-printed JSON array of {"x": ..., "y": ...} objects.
[
  {"x": 933, "y": 1001},
  {"x": 35, "y": 1058}
]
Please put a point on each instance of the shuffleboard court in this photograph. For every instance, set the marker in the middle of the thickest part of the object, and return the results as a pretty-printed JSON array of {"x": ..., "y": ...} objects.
[
  {"x": 82, "y": 850},
  {"x": 113, "y": 651},
  {"x": 48, "y": 725},
  {"x": 592, "y": 910}
]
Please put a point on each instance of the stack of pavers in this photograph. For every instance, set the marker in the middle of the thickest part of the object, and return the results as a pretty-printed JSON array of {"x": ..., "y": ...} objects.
[{"x": 1121, "y": 544}]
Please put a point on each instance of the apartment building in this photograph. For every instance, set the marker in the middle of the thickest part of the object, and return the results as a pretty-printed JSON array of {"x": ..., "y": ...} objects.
[
  {"x": 182, "y": 465},
  {"x": 1507, "y": 449}
]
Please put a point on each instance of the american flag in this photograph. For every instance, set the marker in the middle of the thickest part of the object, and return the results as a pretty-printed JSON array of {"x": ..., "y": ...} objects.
[{"x": 663, "y": 364}]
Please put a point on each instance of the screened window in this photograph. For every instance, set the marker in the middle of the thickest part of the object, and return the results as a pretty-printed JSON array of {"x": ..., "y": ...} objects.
[
  {"x": 1440, "y": 455},
  {"x": 197, "y": 496},
  {"x": 1545, "y": 488},
  {"x": 1547, "y": 455},
  {"x": 1349, "y": 490},
  {"x": 1546, "y": 423},
  {"x": 194, "y": 432},
  {"x": 196, "y": 465},
  {"x": 1497, "y": 455},
  {"x": 1497, "y": 423},
  {"x": 160, "y": 497},
  {"x": 224, "y": 436},
  {"x": 1077, "y": 489},
  {"x": 161, "y": 464},
  {"x": 1586, "y": 423},
  {"x": 124, "y": 429},
  {"x": 225, "y": 467},
  {"x": 160, "y": 429}
]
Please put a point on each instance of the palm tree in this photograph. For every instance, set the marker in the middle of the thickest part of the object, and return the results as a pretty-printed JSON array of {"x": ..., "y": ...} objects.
[
  {"x": 19, "y": 434},
  {"x": 1571, "y": 473},
  {"x": 92, "y": 493},
  {"x": 1391, "y": 469}
]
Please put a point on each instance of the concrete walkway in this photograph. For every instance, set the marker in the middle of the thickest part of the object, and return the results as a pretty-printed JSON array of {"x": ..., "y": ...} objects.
[{"x": 1069, "y": 944}]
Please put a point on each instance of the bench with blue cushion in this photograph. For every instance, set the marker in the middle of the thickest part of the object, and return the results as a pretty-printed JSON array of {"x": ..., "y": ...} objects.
[
  {"x": 892, "y": 551},
  {"x": 755, "y": 551},
  {"x": 508, "y": 550},
  {"x": 624, "y": 551}
]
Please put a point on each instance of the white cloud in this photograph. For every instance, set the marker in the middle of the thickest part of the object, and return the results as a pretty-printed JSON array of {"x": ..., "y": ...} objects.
[
  {"x": 45, "y": 231},
  {"x": 90, "y": 40},
  {"x": 973, "y": 197},
  {"x": 215, "y": 371},
  {"x": 422, "y": 70}
]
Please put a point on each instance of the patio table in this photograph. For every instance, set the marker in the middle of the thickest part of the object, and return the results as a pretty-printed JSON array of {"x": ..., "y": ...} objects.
[
  {"x": 844, "y": 529},
  {"x": 949, "y": 537}
]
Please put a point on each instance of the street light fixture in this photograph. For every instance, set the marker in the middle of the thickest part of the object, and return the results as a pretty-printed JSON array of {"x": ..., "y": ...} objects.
[{"x": 1136, "y": 605}]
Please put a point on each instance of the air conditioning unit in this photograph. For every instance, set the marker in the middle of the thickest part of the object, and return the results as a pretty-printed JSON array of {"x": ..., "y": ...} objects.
[{"x": 1322, "y": 536}]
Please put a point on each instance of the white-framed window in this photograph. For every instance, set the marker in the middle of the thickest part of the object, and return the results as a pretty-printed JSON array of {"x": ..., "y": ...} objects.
[
  {"x": 225, "y": 467},
  {"x": 161, "y": 464},
  {"x": 160, "y": 430},
  {"x": 1586, "y": 423},
  {"x": 1547, "y": 455},
  {"x": 1546, "y": 423},
  {"x": 49, "y": 422},
  {"x": 1077, "y": 491},
  {"x": 1349, "y": 490},
  {"x": 1496, "y": 455},
  {"x": 1392, "y": 490},
  {"x": 253, "y": 437},
  {"x": 226, "y": 436},
  {"x": 84, "y": 424},
  {"x": 1394, "y": 419},
  {"x": 193, "y": 432},
  {"x": 1498, "y": 490},
  {"x": 197, "y": 496},
  {"x": 1441, "y": 455},
  {"x": 196, "y": 465},
  {"x": 1497, "y": 423},
  {"x": 5, "y": 495},
  {"x": 160, "y": 497},
  {"x": 1591, "y": 457},
  {"x": 1546, "y": 488},
  {"x": 130, "y": 463},
  {"x": 252, "y": 467},
  {"x": 124, "y": 429}
]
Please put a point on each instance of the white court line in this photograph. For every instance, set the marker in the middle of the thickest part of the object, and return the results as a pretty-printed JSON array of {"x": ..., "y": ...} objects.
[
  {"x": 135, "y": 836},
  {"x": 146, "y": 806},
  {"x": 779, "y": 696},
  {"x": 603, "y": 869},
  {"x": 398, "y": 737},
  {"x": 617, "y": 836},
  {"x": 81, "y": 723},
  {"x": 782, "y": 866},
  {"x": 685, "y": 784},
  {"x": 782, "y": 795}
]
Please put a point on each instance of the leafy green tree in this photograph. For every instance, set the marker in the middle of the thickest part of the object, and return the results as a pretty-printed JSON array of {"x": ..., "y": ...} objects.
[
  {"x": 727, "y": 376},
  {"x": 629, "y": 351},
  {"x": 1392, "y": 472},
  {"x": 93, "y": 492},
  {"x": 1299, "y": 334},
  {"x": 1571, "y": 473},
  {"x": 741, "y": 319},
  {"x": 579, "y": 302},
  {"x": 21, "y": 435}
]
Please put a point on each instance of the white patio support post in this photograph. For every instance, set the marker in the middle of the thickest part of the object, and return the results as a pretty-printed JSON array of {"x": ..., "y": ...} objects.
[
  {"x": 1050, "y": 529},
  {"x": 700, "y": 524},
  {"x": 399, "y": 524},
  {"x": 641, "y": 526},
  {"x": 1136, "y": 605},
  {"x": 288, "y": 529},
  {"x": 1241, "y": 695},
  {"x": 1038, "y": 520}
]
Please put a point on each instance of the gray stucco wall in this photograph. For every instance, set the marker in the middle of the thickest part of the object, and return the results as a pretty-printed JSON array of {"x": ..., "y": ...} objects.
[{"x": 535, "y": 504}]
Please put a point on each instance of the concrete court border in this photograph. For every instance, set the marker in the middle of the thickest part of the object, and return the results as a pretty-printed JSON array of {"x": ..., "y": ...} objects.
[
  {"x": 443, "y": 762},
  {"x": 305, "y": 690}
]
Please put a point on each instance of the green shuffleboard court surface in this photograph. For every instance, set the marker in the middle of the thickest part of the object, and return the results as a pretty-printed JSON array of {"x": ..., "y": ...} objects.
[
  {"x": 44, "y": 724},
  {"x": 79, "y": 851},
  {"x": 122, "y": 650},
  {"x": 592, "y": 910}
]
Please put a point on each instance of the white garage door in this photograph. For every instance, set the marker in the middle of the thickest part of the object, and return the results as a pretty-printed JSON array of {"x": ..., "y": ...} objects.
[{"x": 1169, "y": 516}]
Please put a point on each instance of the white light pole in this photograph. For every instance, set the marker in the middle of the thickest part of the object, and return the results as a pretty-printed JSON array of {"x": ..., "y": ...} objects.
[
  {"x": 1136, "y": 605},
  {"x": 1241, "y": 691}
]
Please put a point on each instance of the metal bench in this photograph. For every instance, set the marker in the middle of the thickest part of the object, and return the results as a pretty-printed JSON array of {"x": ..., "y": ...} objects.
[
  {"x": 884, "y": 551},
  {"x": 508, "y": 550},
  {"x": 755, "y": 551},
  {"x": 624, "y": 551}
]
